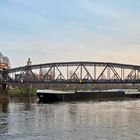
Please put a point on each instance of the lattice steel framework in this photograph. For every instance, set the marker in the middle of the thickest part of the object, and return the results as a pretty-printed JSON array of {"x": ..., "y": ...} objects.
[{"x": 73, "y": 72}]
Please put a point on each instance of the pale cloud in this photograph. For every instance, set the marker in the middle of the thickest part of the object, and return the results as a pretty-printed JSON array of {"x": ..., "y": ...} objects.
[
  {"x": 43, "y": 51},
  {"x": 100, "y": 27}
]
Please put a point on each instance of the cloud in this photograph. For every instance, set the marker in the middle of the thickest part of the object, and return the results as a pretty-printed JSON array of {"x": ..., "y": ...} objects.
[{"x": 43, "y": 51}]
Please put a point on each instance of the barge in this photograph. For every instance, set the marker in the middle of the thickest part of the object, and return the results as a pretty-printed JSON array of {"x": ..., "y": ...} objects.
[{"x": 55, "y": 95}]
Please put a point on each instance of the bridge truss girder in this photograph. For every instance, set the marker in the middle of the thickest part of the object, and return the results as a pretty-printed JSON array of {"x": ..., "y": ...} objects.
[{"x": 73, "y": 73}]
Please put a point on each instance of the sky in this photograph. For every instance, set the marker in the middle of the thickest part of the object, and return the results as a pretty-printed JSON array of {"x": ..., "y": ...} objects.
[{"x": 70, "y": 30}]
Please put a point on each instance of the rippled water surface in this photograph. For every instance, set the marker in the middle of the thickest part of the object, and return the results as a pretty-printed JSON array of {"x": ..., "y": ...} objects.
[{"x": 89, "y": 120}]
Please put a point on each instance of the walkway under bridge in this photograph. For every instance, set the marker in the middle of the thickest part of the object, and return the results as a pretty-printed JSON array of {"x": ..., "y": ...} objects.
[{"x": 72, "y": 73}]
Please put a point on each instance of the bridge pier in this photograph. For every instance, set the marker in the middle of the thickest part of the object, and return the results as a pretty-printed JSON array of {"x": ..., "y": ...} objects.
[
  {"x": 4, "y": 92},
  {"x": 4, "y": 86}
]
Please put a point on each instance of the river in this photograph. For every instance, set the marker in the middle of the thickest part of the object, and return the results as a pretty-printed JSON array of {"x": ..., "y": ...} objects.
[{"x": 26, "y": 119}]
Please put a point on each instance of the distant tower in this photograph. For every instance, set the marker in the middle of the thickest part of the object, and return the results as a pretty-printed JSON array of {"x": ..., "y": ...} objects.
[
  {"x": 28, "y": 71},
  {"x": 29, "y": 62}
]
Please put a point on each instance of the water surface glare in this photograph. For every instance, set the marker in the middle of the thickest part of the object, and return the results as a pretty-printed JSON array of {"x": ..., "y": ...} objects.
[{"x": 88, "y": 120}]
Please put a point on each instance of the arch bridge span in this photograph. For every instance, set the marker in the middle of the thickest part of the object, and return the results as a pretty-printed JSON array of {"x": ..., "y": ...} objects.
[{"x": 73, "y": 73}]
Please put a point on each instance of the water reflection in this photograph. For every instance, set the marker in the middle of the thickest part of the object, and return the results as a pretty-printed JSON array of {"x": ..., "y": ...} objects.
[
  {"x": 3, "y": 117},
  {"x": 28, "y": 120},
  {"x": 4, "y": 105}
]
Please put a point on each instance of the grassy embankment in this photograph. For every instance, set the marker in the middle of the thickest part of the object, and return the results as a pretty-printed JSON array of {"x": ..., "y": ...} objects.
[{"x": 22, "y": 92}]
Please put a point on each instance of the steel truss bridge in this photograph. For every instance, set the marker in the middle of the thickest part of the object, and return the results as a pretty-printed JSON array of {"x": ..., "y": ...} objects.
[{"x": 72, "y": 73}]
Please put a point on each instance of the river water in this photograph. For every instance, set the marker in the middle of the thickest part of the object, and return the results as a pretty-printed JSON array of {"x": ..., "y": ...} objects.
[{"x": 26, "y": 119}]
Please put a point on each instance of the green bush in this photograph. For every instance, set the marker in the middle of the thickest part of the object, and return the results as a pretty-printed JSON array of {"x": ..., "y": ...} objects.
[{"x": 18, "y": 92}]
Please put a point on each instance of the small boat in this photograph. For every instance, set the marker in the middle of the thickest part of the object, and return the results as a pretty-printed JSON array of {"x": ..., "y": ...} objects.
[{"x": 57, "y": 95}]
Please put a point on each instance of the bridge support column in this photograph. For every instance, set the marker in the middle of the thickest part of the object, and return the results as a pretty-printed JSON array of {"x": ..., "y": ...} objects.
[
  {"x": 4, "y": 91},
  {"x": 4, "y": 86}
]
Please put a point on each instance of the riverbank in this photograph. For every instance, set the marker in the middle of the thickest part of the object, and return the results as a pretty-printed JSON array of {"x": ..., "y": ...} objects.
[{"x": 19, "y": 92}]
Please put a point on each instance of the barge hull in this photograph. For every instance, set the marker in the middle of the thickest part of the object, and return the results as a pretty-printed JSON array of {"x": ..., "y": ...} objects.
[{"x": 85, "y": 96}]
